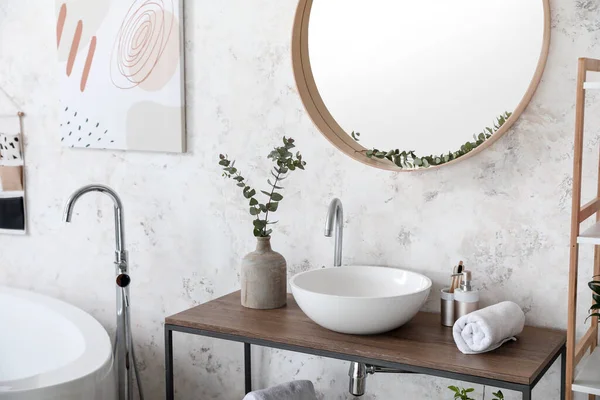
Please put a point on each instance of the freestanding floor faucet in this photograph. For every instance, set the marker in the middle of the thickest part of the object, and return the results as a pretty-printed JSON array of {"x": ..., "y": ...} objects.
[
  {"x": 335, "y": 213},
  {"x": 123, "y": 352}
]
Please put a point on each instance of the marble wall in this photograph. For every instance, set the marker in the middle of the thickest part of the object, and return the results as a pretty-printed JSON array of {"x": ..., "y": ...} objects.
[{"x": 505, "y": 211}]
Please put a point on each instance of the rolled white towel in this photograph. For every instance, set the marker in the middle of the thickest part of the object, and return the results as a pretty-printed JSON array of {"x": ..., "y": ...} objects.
[
  {"x": 296, "y": 390},
  {"x": 489, "y": 328}
]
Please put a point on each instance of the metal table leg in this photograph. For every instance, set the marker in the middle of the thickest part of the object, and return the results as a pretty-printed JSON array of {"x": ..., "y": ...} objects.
[
  {"x": 170, "y": 392},
  {"x": 563, "y": 372},
  {"x": 527, "y": 394},
  {"x": 248, "y": 367}
]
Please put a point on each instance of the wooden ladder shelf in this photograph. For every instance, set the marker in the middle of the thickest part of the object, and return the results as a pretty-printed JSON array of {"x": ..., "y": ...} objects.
[{"x": 588, "y": 377}]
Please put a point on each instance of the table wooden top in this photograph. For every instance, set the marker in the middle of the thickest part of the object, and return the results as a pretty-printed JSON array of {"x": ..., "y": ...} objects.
[{"x": 423, "y": 342}]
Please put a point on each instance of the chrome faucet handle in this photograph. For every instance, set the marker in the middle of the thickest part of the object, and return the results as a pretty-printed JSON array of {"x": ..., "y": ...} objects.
[
  {"x": 122, "y": 260},
  {"x": 123, "y": 280}
]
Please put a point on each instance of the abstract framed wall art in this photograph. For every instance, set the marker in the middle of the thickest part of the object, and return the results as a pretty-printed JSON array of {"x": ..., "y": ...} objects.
[{"x": 121, "y": 74}]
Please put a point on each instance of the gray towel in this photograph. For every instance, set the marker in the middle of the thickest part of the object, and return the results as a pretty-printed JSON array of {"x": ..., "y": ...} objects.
[{"x": 297, "y": 390}]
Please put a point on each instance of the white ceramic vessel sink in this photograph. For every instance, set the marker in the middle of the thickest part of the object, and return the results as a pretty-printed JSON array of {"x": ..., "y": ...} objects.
[{"x": 360, "y": 300}]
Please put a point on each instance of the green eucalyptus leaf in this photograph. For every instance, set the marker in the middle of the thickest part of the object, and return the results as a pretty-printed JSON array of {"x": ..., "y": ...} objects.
[
  {"x": 254, "y": 211},
  {"x": 272, "y": 184},
  {"x": 253, "y": 201},
  {"x": 272, "y": 206},
  {"x": 276, "y": 196},
  {"x": 259, "y": 223}
]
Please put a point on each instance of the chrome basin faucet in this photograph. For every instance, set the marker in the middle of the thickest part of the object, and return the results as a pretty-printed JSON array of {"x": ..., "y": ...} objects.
[
  {"x": 123, "y": 351},
  {"x": 335, "y": 214}
]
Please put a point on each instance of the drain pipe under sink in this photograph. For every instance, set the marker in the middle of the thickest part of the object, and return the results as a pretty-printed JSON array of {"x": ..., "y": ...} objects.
[{"x": 358, "y": 376}]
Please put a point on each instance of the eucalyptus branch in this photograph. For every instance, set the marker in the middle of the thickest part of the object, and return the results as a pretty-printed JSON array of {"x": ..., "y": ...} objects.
[
  {"x": 277, "y": 178},
  {"x": 285, "y": 162},
  {"x": 408, "y": 159}
]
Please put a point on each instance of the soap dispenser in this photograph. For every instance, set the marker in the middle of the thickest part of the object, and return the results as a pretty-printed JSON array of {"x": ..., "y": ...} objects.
[{"x": 466, "y": 299}]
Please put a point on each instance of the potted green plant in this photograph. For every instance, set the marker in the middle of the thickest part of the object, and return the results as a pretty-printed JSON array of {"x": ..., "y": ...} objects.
[
  {"x": 264, "y": 271},
  {"x": 594, "y": 285},
  {"x": 463, "y": 394}
]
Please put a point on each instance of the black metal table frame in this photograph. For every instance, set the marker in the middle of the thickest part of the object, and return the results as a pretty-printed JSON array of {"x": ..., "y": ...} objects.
[{"x": 525, "y": 389}]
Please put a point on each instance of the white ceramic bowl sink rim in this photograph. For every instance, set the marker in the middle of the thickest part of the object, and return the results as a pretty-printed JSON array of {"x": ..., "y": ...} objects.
[{"x": 426, "y": 287}]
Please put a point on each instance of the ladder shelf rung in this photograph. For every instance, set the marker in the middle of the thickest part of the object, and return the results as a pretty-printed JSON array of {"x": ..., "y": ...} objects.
[{"x": 588, "y": 209}]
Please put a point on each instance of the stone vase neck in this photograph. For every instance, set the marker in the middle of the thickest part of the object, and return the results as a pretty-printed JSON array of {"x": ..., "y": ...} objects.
[{"x": 263, "y": 244}]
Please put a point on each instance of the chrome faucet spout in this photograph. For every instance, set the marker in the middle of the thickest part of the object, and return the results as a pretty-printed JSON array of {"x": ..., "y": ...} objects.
[
  {"x": 120, "y": 252},
  {"x": 335, "y": 217}
]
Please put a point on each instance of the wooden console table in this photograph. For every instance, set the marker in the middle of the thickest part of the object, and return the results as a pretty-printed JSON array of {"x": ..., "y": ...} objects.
[{"x": 422, "y": 346}]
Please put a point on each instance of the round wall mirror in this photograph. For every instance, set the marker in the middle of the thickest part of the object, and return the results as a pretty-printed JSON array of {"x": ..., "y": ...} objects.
[{"x": 403, "y": 84}]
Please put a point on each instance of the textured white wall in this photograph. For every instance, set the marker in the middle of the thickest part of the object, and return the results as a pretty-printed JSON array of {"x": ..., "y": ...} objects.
[{"x": 505, "y": 211}]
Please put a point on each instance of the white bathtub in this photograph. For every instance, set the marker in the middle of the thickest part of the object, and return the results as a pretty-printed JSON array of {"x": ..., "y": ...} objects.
[{"x": 51, "y": 350}]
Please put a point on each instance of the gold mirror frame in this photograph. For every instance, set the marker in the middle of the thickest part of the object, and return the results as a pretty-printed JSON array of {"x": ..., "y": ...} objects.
[{"x": 325, "y": 122}]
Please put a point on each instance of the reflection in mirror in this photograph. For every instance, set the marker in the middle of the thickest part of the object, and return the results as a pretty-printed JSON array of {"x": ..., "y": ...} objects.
[{"x": 424, "y": 76}]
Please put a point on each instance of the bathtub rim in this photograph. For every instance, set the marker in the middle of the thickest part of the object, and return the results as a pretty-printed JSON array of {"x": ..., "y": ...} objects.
[{"x": 89, "y": 368}]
